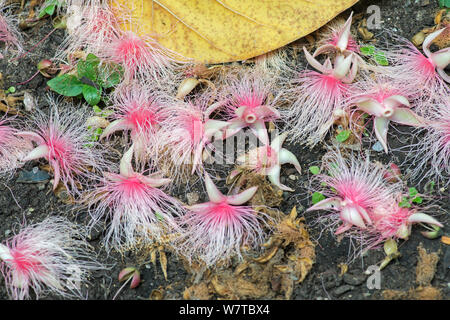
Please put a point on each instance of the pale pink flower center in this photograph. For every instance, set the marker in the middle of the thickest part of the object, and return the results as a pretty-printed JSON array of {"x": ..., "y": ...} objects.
[{"x": 24, "y": 264}]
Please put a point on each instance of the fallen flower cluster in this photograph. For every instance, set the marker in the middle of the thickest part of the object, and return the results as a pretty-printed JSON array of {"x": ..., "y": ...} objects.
[{"x": 165, "y": 141}]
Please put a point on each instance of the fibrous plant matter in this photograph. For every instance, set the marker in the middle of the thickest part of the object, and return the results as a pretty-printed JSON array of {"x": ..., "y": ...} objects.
[
  {"x": 367, "y": 205},
  {"x": 319, "y": 97},
  {"x": 354, "y": 190},
  {"x": 9, "y": 35},
  {"x": 386, "y": 101},
  {"x": 134, "y": 204},
  {"x": 268, "y": 159},
  {"x": 89, "y": 28},
  {"x": 187, "y": 137},
  {"x": 433, "y": 147},
  {"x": 216, "y": 230},
  {"x": 48, "y": 258},
  {"x": 139, "y": 110},
  {"x": 424, "y": 72},
  {"x": 64, "y": 141},
  {"x": 249, "y": 102},
  {"x": 338, "y": 39},
  {"x": 12, "y": 147}
]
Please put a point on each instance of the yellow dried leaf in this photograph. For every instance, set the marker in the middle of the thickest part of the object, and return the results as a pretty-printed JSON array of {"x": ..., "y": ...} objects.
[{"x": 230, "y": 30}]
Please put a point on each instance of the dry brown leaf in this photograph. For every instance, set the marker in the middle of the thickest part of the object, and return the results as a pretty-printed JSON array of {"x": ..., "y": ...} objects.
[{"x": 230, "y": 30}]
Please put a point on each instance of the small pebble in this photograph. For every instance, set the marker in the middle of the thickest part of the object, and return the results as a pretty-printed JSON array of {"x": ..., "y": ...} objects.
[
  {"x": 7, "y": 232},
  {"x": 342, "y": 289},
  {"x": 192, "y": 198},
  {"x": 354, "y": 280},
  {"x": 377, "y": 147},
  {"x": 293, "y": 177}
]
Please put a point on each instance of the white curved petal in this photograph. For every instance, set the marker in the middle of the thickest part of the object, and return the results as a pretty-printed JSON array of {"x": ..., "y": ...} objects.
[
  {"x": 425, "y": 218},
  {"x": 381, "y": 126},
  {"x": 327, "y": 204},
  {"x": 214, "y": 194},
  {"x": 313, "y": 62},
  {"x": 38, "y": 152},
  {"x": 285, "y": 156},
  {"x": 396, "y": 101},
  {"x": 428, "y": 40},
  {"x": 126, "y": 169},
  {"x": 351, "y": 215},
  {"x": 242, "y": 197}
]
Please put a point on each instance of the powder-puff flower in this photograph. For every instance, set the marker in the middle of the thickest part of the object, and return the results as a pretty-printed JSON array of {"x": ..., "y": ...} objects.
[
  {"x": 386, "y": 101},
  {"x": 134, "y": 204},
  {"x": 267, "y": 160},
  {"x": 141, "y": 57},
  {"x": 64, "y": 141},
  {"x": 425, "y": 72},
  {"x": 319, "y": 97},
  {"x": 434, "y": 147},
  {"x": 247, "y": 104},
  {"x": 48, "y": 258},
  {"x": 217, "y": 229},
  {"x": 138, "y": 110},
  {"x": 9, "y": 34},
  {"x": 393, "y": 221},
  {"x": 12, "y": 148},
  {"x": 355, "y": 189},
  {"x": 89, "y": 27},
  {"x": 189, "y": 133},
  {"x": 338, "y": 39}
]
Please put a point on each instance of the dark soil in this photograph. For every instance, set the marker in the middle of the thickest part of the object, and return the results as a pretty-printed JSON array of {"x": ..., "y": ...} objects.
[{"x": 36, "y": 201}]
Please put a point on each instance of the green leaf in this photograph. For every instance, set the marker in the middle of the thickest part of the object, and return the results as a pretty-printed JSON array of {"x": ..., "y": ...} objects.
[
  {"x": 314, "y": 169},
  {"x": 380, "y": 58},
  {"x": 67, "y": 85},
  {"x": 110, "y": 76},
  {"x": 89, "y": 67},
  {"x": 404, "y": 203},
  {"x": 444, "y": 3},
  {"x": 413, "y": 192},
  {"x": 91, "y": 94},
  {"x": 317, "y": 197},
  {"x": 343, "y": 135},
  {"x": 417, "y": 200},
  {"x": 367, "y": 50}
]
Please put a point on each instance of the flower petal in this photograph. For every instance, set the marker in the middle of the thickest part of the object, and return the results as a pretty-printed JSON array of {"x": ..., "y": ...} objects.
[
  {"x": 381, "y": 126},
  {"x": 242, "y": 197},
  {"x": 407, "y": 117}
]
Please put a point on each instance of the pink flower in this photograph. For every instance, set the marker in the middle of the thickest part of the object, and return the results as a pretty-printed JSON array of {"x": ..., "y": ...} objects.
[
  {"x": 64, "y": 141},
  {"x": 138, "y": 110},
  {"x": 433, "y": 147},
  {"x": 393, "y": 221},
  {"x": 9, "y": 34},
  {"x": 188, "y": 135},
  {"x": 267, "y": 160},
  {"x": 89, "y": 27},
  {"x": 339, "y": 40},
  {"x": 217, "y": 229},
  {"x": 248, "y": 105},
  {"x": 319, "y": 97},
  {"x": 141, "y": 58},
  {"x": 12, "y": 148},
  {"x": 357, "y": 189},
  {"x": 134, "y": 204},
  {"x": 425, "y": 72},
  {"x": 382, "y": 99},
  {"x": 48, "y": 258}
]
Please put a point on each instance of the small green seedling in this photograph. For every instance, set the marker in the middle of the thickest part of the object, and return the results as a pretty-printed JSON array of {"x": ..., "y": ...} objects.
[
  {"x": 314, "y": 169},
  {"x": 49, "y": 8},
  {"x": 444, "y": 3},
  {"x": 378, "y": 56},
  {"x": 343, "y": 135},
  {"x": 413, "y": 197},
  {"x": 90, "y": 81},
  {"x": 317, "y": 197}
]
